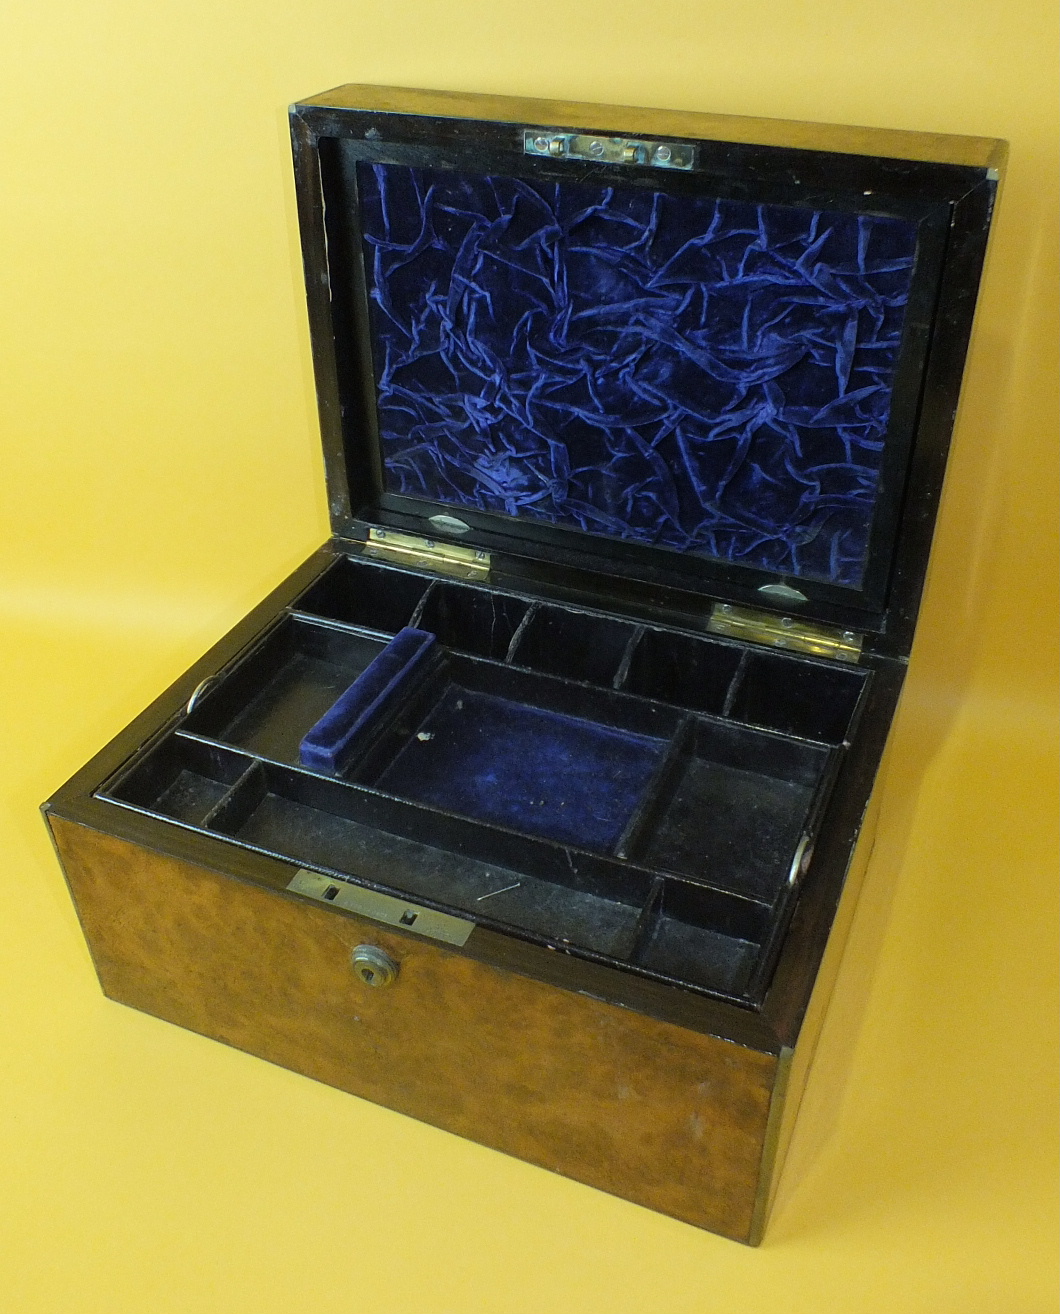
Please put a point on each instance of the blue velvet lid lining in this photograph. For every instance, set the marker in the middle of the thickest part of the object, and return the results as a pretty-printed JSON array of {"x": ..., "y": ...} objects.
[{"x": 711, "y": 376}]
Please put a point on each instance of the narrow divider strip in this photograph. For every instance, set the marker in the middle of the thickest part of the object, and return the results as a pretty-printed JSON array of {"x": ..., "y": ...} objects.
[
  {"x": 517, "y": 637},
  {"x": 622, "y": 674},
  {"x": 734, "y": 683},
  {"x": 417, "y": 612},
  {"x": 646, "y": 920},
  {"x": 226, "y": 798},
  {"x": 329, "y": 623},
  {"x": 656, "y": 792}
]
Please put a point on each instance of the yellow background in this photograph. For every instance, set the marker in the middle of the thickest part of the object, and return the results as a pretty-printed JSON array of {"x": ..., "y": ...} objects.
[{"x": 160, "y": 471}]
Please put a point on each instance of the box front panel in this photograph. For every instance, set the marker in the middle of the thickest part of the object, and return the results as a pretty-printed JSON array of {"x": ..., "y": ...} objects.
[{"x": 666, "y": 1117}]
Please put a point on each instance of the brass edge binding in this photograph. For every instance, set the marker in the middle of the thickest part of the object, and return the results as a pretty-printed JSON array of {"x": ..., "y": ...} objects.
[
  {"x": 788, "y": 632},
  {"x": 428, "y": 554}
]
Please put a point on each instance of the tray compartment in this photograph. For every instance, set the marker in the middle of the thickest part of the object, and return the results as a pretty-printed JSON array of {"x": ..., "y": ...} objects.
[
  {"x": 566, "y": 898},
  {"x": 798, "y": 697},
  {"x": 393, "y": 676},
  {"x": 379, "y": 598},
  {"x": 528, "y": 753},
  {"x": 681, "y": 669},
  {"x": 269, "y": 702},
  {"x": 739, "y": 804},
  {"x": 472, "y": 620},
  {"x": 698, "y": 936},
  {"x": 181, "y": 779},
  {"x": 573, "y": 644}
]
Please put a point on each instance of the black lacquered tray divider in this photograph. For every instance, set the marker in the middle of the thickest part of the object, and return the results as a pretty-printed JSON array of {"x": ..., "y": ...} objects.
[
  {"x": 690, "y": 670},
  {"x": 185, "y": 779},
  {"x": 808, "y": 698},
  {"x": 660, "y": 787},
  {"x": 590, "y": 901},
  {"x": 725, "y": 720}
]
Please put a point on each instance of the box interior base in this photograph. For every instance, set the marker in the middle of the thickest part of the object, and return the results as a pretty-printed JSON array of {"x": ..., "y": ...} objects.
[{"x": 634, "y": 794}]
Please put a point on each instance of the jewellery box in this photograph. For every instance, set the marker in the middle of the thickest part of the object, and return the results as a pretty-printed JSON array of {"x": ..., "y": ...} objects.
[{"x": 528, "y": 805}]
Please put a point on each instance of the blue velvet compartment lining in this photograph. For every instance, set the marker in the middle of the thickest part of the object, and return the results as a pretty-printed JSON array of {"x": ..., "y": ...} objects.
[
  {"x": 485, "y": 757},
  {"x": 327, "y": 746},
  {"x": 535, "y": 771},
  {"x": 706, "y": 375}
]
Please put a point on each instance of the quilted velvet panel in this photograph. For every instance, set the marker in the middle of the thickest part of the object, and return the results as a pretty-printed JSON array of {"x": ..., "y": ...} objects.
[{"x": 704, "y": 375}]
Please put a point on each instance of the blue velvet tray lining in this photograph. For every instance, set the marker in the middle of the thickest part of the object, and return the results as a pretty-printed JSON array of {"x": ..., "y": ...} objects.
[
  {"x": 535, "y": 771},
  {"x": 711, "y": 376},
  {"x": 496, "y": 755}
]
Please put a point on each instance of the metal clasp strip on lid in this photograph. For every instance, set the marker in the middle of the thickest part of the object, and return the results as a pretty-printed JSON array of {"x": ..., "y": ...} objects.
[
  {"x": 788, "y": 632},
  {"x": 609, "y": 150}
]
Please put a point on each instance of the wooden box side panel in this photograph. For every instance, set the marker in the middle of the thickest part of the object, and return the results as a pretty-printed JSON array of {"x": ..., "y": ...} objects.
[{"x": 652, "y": 1112}]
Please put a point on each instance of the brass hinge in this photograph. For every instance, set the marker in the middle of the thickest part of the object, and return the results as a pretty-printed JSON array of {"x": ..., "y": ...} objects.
[
  {"x": 444, "y": 558},
  {"x": 784, "y": 632}
]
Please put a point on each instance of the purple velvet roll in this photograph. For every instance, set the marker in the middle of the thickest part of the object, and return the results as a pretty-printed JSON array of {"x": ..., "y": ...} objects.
[{"x": 328, "y": 744}]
